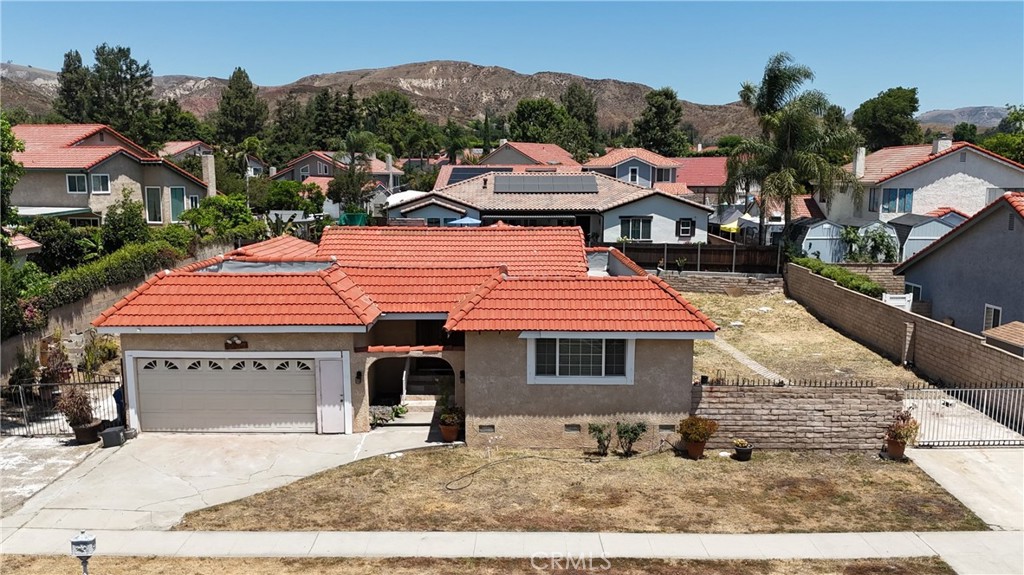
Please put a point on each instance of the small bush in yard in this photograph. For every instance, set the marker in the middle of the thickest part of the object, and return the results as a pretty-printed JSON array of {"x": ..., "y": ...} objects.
[
  {"x": 380, "y": 414},
  {"x": 602, "y": 433},
  {"x": 628, "y": 434},
  {"x": 842, "y": 276},
  {"x": 399, "y": 410}
]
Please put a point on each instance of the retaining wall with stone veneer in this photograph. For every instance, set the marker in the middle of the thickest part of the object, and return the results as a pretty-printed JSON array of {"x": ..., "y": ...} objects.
[
  {"x": 832, "y": 418},
  {"x": 716, "y": 283},
  {"x": 881, "y": 274}
]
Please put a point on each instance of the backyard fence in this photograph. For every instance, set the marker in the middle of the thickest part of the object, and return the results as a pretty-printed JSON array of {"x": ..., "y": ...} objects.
[
  {"x": 703, "y": 257},
  {"x": 761, "y": 382},
  {"x": 976, "y": 416},
  {"x": 31, "y": 408}
]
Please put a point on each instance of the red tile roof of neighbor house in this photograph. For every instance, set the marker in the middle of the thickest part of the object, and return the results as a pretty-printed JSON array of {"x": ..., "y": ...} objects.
[
  {"x": 181, "y": 299},
  {"x": 376, "y": 167},
  {"x": 1014, "y": 200},
  {"x": 890, "y": 162},
  {"x": 616, "y": 304},
  {"x": 803, "y": 206},
  {"x": 177, "y": 147},
  {"x": 543, "y": 154},
  {"x": 674, "y": 188},
  {"x": 279, "y": 247},
  {"x": 702, "y": 171},
  {"x": 419, "y": 290},
  {"x": 944, "y": 210},
  {"x": 621, "y": 257},
  {"x": 320, "y": 181},
  {"x": 541, "y": 251},
  {"x": 619, "y": 155}
]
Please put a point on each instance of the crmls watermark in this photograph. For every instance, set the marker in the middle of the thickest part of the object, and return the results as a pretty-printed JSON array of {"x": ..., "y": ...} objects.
[{"x": 567, "y": 561}]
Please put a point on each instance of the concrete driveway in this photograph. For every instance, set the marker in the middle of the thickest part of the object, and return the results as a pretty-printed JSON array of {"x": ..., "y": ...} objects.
[
  {"x": 986, "y": 480},
  {"x": 153, "y": 480}
]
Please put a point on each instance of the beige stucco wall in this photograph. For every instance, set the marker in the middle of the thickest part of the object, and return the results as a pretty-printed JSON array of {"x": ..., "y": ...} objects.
[
  {"x": 263, "y": 342},
  {"x": 49, "y": 187},
  {"x": 535, "y": 415}
]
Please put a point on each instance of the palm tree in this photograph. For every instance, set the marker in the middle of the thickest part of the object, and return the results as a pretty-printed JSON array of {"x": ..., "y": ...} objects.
[
  {"x": 455, "y": 140},
  {"x": 779, "y": 85},
  {"x": 351, "y": 186}
]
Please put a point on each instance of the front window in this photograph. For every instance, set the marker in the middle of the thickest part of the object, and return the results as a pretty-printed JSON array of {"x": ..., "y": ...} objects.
[
  {"x": 580, "y": 360},
  {"x": 76, "y": 184},
  {"x": 913, "y": 289},
  {"x": 897, "y": 200},
  {"x": 100, "y": 184},
  {"x": 636, "y": 228},
  {"x": 433, "y": 222},
  {"x": 684, "y": 228},
  {"x": 304, "y": 172},
  {"x": 154, "y": 211},
  {"x": 177, "y": 203}
]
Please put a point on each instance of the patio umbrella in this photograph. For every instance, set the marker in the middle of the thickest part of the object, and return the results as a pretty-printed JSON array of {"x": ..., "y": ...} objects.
[
  {"x": 732, "y": 228},
  {"x": 466, "y": 221}
]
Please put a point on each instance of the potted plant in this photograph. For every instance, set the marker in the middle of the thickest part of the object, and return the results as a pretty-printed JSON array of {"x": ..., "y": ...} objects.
[
  {"x": 452, "y": 417},
  {"x": 695, "y": 432},
  {"x": 743, "y": 449},
  {"x": 900, "y": 432},
  {"x": 75, "y": 406}
]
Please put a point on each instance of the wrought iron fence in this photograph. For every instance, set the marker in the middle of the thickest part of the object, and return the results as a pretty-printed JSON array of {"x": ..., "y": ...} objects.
[
  {"x": 765, "y": 382},
  {"x": 976, "y": 416},
  {"x": 31, "y": 408}
]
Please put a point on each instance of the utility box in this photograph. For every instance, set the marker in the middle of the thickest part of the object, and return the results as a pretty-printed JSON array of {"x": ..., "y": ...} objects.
[{"x": 113, "y": 437}]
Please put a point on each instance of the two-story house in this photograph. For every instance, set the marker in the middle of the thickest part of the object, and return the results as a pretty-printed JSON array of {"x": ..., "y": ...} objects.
[
  {"x": 322, "y": 164},
  {"x": 76, "y": 171},
  {"x": 638, "y": 166},
  {"x": 178, "y": 150}
]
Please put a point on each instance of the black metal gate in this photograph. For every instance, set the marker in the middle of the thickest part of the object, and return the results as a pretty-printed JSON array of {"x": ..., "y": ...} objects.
[{"x": 31, "y": 409}]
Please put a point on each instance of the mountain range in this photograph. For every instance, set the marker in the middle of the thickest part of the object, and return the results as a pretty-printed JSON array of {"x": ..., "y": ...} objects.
[{"x": 460, "y": 90}]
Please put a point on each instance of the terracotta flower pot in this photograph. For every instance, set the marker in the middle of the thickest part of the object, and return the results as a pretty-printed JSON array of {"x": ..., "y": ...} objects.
[
  {"x": 895, "y": 449},
  {"x": 86, "y": 434},
  {"x": 449, "y": 433},
  {"x": 695, "y": 449}
]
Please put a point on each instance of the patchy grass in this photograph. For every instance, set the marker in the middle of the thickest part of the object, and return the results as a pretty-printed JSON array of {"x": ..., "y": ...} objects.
[
  {"x": 712, "y": 361},
  {"x": 560, "y": 491},
  {"x": 48, "y": 565},
  {"x": 790, "y": 341}
]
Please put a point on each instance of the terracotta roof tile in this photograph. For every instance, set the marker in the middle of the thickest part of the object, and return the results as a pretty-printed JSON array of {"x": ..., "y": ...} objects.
[
  {"x": 524, "y": 250},
  {"x": 20, "y": 242},
  {"x": 619, "y": 155},
  {"x": 616, "y": 304},
  {"x": 702, "y": 171},
  {"x": 327, "y": 297},
  {"x": 176, "y": 147},
  {"x": 542, "y": 154},
  {"x": 419, "y": 290},
  {"x": 890, "y": 162},
  {"x": 944, "y": 210},
  {"x": 803, "y": 206},
  {"x": 675, "y": 188},
  {"x": 285, "y": 247},
  {"x": 445, "y": 174},
  {"x": 1012, "y": 333}
]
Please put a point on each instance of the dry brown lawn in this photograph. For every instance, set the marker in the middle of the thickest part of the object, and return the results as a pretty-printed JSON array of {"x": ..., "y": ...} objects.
[
  {"x": 49, "y": 565},
  {"x": 562, "y": 491},
  {"x": 790, "y": 341}
]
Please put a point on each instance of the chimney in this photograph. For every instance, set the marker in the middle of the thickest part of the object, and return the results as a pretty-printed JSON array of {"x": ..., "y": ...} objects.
[
  {"x": 941, "y": 144},
  {"x": 391, "y": 181},
  {"x": 209, "y": 175},
  {"x": 858, "y": 162},
  {"x": 485, "y": 182},
  {"x": 273, "y": 171},
  {"x": 502, "y": 142},
  {"x": 700, "y": 147}
]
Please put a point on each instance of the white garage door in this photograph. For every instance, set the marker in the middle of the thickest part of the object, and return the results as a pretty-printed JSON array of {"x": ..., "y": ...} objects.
[{"x": 227, "y": 395}]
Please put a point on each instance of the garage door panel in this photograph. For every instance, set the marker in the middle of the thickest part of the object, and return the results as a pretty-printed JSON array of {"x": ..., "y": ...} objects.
[{"x": 250, "y": 395}]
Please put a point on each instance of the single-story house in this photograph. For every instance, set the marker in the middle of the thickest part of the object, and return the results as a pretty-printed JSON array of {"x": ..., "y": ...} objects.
[
  {"x": 605, "y": 208},
  {"x": 77, "y": 171},
  {"x": 290, "y": 336},
  {"x": 972, "y": 276}
]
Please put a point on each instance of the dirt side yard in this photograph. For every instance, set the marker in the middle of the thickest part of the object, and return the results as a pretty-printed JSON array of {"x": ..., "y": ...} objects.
[
  {"x": 465, "y": 490},
  {"x": 787, "y": 339}
]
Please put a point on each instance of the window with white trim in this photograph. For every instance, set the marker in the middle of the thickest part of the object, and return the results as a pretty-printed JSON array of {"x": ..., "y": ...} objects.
[
  {"x": 580, "y": 360},
  {"x": 663, "y": 175},
  {"x": 634, "y": 175},
  {"x": 873, "y": 197},
  {"x": 100, "y": 183},
  {"x": 193, "y": 202},
  {"x": 77, "y": 184},
  {"x": 635, "y": 228},
  {"x": 154, "y": 206},
  {"x": 897, "y": 200},
  {"x": 913, "y": 289},
  {"x": 993, "y": 316},
  {"x": 303, "y": 172},
  {"x": 685, "y": 228},
  {"x": 321, "y": 168},
  {"x": 177, "y": 203}
]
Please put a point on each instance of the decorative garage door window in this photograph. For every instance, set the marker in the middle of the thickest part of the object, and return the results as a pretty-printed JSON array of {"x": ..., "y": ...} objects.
[{"x": 291, "y": 365}]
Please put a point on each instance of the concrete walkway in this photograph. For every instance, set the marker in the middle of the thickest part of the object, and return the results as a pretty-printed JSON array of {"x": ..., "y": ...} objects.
[
  {"x": 987, "y": 480},
  {"x": 746, "y": 361},
  {"x": 152, "y": 481},
  {"x": 976, "y": 552}
]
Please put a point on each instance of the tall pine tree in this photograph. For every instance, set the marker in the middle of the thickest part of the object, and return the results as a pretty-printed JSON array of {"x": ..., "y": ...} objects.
[
  {"x": 73, "y": 89},
  {"x": 121, "y": 95},
  {"x": 241, "y": 113}
]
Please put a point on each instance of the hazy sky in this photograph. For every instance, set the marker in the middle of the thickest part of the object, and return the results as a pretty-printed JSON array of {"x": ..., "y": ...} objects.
[{"x": 955, "y": 53}]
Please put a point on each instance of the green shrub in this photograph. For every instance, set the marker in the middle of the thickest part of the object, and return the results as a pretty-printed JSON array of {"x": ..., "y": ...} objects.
[
  {"x": 628, "y": 434},
  {"x": 124, "y": 224},
  {"x": 179, "y": 236},
  {"x": 842, "y": 276},
  {"x": 697, "y": 429},
  {"x": 60, "y": 249},
  {"x": 602, "y": 433}
]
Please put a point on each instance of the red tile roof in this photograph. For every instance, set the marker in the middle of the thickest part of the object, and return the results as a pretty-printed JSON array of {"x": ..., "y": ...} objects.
[
  {"x": 803, "y": 207},
  {"x": 176, "y": 147},
  {"x": 1014, "y": 200},
  {"x": 288, "y": 247},
  {"x": 619, "y": 155},
  {"x": 542, "y": 154},
  {"x": 320, "y": 181},
  {"x": 674, "y": 188},
  {"x": 445, "y": 173},
  {"x": 888, "y": 163},
  {"x": 612, "y": 252},
  {"x": 21, "y": 243},
  {"x": 419, "y": 290},
  {"x": 702, "y": 171},
  {"x": 615, "y": 304},
  {"x": 324, "y": 298},
  {"x": 944, "y": 210},
  {"x": 524, "y": 250}
]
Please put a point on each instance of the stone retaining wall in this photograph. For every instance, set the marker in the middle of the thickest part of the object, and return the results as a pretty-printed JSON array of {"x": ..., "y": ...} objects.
[
  {"x": 881, "y": 274},
  {"x": 716, "y": 283}
]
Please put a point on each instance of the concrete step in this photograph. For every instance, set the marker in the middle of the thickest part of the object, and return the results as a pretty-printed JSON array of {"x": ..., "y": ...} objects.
[
  {"x": 423, "y": 418},
  {"x": 421, "y": 406},
  {"x": 413, "y": 397}
]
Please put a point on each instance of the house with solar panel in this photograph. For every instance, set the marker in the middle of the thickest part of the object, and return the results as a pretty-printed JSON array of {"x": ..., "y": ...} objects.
[
  {"x": 533, "y": 334},
  {"x": 607, "y": 209}
]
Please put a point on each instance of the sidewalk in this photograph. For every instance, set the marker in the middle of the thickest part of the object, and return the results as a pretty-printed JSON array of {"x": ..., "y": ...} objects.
[{"x": 974, "y": 552}]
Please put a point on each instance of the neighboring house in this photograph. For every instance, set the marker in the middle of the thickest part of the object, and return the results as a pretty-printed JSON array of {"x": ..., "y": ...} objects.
[
  {"x": 972, "y": 276},
  {"x": 76, "y": 171},
  {"x": 606, "y": 209},
  {"x": 636, "y": 166},
  {"x": 177, "y": 151},
  {"x": 804, "y": 212},
  {"x": 376, "y": 205},
  {"x": 22, "y": 246},
  {"x": 453, "y": 174},
  {"x": 915, "y": 232},
  {"x": 1007, "y": 337},
  {"x": 949, "y": 215},
  {"x": 529, "y": 154},
  {"x": 503, "y": 315},
  {"x": 918, "y": 179},
  {"x": 322, "y": 164},
  {"x": 704, "y": 178}
]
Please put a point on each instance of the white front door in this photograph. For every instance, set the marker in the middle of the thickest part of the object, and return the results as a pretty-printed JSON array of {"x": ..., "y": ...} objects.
[{"x": 332, "y": 398}]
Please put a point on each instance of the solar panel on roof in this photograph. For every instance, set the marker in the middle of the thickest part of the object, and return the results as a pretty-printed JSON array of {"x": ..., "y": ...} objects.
[
  {"x": 460, "y": 173},
  {"x": 526, "y": 184}
]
